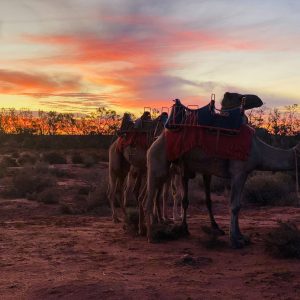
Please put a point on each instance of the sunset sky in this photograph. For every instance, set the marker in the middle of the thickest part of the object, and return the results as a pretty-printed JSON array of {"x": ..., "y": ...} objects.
[{"x": 76, "y": 55}]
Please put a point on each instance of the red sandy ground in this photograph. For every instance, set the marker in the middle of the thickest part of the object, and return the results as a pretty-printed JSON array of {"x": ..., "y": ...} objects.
[{"x": 47, "y": 255}]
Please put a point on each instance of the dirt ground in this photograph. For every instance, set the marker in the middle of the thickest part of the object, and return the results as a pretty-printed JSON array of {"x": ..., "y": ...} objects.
[{"x": 47, "y": 255}]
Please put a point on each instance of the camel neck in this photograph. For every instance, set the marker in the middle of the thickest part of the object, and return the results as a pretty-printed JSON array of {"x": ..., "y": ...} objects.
[{"x": 274, "y": 159}]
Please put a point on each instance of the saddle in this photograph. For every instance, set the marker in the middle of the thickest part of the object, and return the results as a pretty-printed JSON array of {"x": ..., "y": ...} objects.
[
  {"x": 129, "y": 126},
  {"x": 227, "y": 121}
]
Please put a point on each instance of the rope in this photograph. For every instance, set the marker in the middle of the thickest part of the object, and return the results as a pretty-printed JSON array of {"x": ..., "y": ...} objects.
[{"x": 297, "y": 185}]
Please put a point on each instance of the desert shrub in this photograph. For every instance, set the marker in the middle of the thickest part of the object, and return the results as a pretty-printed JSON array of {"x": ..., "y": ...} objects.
[
  {"x": 77, "y": 158},
  {"x": 89, "y": 161},
  {"x": 60, "y": 173},
  {"x": 98, "y": 195},
  {"x": 102, "y": 155},
  {"x": 54, "y": 158},
  {"x": 48, "y": 196},
  {"x": 28, "y": 183},
  {"x": 3, "y": 171},
  {"x": 84, "y": 190},
  {"x": 269, "y": 189},
  {"x": 27, "y": 159},
  {"x": 66, "y": 209},
  {"x": 15, "y": 154},
  {"x": 8, "y": 161},
  {"x": 284, "y": 241},
  {"x": 41, "y": 167},
  {"x": 218, "y": 184}
]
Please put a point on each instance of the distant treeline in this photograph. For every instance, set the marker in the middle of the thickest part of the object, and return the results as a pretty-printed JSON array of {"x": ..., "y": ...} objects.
[
  {"x": 51, "y": 142},
  {"x": 105, "y": 121}
]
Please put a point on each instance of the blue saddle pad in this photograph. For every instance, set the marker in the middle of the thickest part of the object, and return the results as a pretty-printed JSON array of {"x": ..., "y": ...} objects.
[{"x": 205, "y": 116}]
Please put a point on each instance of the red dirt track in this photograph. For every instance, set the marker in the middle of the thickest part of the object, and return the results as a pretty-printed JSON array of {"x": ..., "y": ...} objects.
[{"x": 47, "y": 255}]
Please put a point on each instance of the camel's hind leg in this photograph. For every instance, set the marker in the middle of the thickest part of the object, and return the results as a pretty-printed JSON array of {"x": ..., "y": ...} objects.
[
  {"x": 166, "y": 190},
  {"x": 157, "y": 174},
  {"x": 132, "y": 185},
  {"x": 214, "y": 225},
  {"x": 236, "y": 237},
  {"x": 185, "y": 202},
  {"x": 112, "y": 190}
]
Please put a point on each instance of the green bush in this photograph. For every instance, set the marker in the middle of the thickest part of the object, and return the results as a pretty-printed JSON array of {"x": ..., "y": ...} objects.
[
  {"x": 54, "y": 158},
  {"x": 269, "y": 189}
]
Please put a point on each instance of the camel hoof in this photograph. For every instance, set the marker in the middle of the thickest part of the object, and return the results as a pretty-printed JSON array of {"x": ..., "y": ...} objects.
[
  {"x": 185, "y": 229},
  {"x": 240, "y": 242},
  {"x": 176, "y": 218},
  {"x": 116, "y": 220},
  {"x": 245, "y": 240},
  {"x": 218, "y": 231},
  {"x": 237, "y": 244},
  {"x": 167, "y": 221},
  {"x": 142, "y": 231},
  {"x": 151, "y": 240}
]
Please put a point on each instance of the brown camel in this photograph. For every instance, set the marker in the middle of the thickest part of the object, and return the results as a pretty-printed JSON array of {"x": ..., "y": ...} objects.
[
  {"x": 130, "y": 161},
  {"x": 262, "y": 157}
]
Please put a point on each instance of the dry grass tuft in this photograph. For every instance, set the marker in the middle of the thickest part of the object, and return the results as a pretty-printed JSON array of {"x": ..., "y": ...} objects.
[
  {"x": 284, "y": 241},
  {"x": 49, "y": 196},
  {"x": 27, "y": 158},
  {"x": 131, "y": 222},
  {"x": 28, "y": 183},
  {"x": 168, "y": 232},
  {"x": 98, "y": 195},
  {"x": 270, "y": 189},
  {"x": 54, "y": 158},
  {"x": 77, "y": 158}
]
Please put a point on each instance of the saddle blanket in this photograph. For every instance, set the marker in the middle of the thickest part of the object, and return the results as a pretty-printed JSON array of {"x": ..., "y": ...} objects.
[
  {"x": 234, "y": 147},
  {"x": 135, "y": 139}
]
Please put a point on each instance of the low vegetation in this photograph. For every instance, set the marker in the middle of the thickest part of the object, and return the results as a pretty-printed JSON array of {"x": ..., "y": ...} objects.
[
  {"x": 284, "y": 241},
  {"x": 270, "y": 189},
  {"x": 54, "y": 158}
]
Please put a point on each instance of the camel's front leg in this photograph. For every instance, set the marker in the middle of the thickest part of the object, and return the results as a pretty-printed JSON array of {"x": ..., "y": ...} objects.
[
  {"x": 141, "y": 199},
  {"x": 214, "y": 225},
  {"x": 177, "y": 193},
  {"x": 236, "y": 237},
  {"x": 166, "y": 190}
]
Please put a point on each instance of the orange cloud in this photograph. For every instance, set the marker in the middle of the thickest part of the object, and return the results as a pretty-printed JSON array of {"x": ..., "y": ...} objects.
[
  {"x": 16, "y": 82},
  {"x": 147, "y": 45}
]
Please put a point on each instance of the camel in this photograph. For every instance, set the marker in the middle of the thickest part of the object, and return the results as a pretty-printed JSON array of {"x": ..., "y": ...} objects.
[
  {"x": 130, "y": 164},
  {"x": 262, "y": 157}
]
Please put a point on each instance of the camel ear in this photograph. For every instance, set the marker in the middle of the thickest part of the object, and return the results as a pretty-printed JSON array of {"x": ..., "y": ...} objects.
[{"x": 252, "y": 101}]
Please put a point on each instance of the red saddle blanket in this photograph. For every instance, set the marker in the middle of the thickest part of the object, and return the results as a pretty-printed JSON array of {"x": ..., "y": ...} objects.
[
  {"x": 235, "y": 147},
  {"x": 141, "y": 139}
]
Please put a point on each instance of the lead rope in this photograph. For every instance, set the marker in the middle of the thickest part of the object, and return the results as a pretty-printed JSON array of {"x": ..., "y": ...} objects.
[{"x": 297, "y": 185}]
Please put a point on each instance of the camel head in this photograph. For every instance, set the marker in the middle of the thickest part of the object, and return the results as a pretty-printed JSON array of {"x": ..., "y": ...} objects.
[
  {"x": 231, "y": 100},
  {"x": 159, "y": 123}
]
